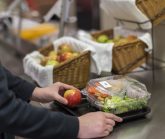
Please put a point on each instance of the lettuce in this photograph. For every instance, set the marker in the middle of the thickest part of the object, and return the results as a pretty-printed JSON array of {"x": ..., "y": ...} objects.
[{"x": 118, "y": 105}]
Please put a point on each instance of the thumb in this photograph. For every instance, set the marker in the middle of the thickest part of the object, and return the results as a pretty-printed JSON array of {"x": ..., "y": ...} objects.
[{"x": 61, "y": 100}]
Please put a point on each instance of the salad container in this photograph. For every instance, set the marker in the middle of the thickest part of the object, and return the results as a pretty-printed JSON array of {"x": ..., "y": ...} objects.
[{"x": 117, "y": 94}]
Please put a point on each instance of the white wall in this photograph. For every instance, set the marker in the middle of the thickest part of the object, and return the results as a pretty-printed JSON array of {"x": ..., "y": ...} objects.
[{"x": 107, "y": 21}]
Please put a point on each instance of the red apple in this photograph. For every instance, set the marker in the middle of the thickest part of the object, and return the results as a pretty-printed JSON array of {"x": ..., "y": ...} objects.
[
  {"x": 73, "y": 97},
  {"x": 65, "y": 56}
]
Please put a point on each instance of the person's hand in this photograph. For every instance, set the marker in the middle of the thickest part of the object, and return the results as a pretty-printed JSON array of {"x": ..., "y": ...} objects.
[
  {"x": 51, "y": 93},
  {"x": 96, "y": 124}
]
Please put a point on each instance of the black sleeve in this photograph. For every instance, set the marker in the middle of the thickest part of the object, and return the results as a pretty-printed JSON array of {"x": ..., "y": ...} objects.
[
  {"x": 20, "y": 118},
  {"x": 20, "y": 87}
]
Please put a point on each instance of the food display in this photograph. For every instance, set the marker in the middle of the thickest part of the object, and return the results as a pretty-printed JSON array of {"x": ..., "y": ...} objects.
[
  {"x": 118, "y": 40},
  {"x": 63, "y": 53},
  {"x": 73, "y": 97},
  {"x": 117, "y": 94},
  {"x": 38, "y": 31},
  {"x": 126, "y": 49}
]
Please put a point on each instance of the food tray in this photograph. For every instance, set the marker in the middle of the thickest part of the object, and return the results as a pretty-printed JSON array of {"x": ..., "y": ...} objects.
[{"x": 85, "y": 107}]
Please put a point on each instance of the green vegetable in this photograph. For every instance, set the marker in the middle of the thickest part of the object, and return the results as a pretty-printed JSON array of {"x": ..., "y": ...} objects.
[{"x": 118, "y": 105}]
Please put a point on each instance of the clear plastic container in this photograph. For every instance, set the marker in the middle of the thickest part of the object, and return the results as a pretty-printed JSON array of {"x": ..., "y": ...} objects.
[{"x": 117, "y": 94}]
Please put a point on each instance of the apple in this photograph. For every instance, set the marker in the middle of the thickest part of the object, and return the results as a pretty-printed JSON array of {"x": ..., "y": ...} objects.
[
  {"x": 102, "y": 38},
  {"x": 52, "y": 53},
  {"x": 52, "y": 57},
  {"x": 52, "y": 62},
  {"x": 65, "y": 48},
  {"x": 131, "y": 38},
  {"x": 73, "y": 97},
  {"x": 58, "y": 58},
  {"x": 75, "y": 54},
  {"x": 117, "y": 38},
  {"x": 65, "y": 56},
  {"x": 121, "y": 42},
  {"x": 110, "y": 41}
]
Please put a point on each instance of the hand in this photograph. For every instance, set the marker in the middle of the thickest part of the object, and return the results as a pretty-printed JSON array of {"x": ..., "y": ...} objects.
[
  {"x": 51, "y": 93},
  {"x": 96, "y": 124}
]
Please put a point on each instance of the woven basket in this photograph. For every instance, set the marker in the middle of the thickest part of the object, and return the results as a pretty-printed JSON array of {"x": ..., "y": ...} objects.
[
  {"x": 153, "y": 9},
  {"x": 128, "y": 56},
  {"x": 74, "y": 72},
  {"x": 108, "y": 32}
]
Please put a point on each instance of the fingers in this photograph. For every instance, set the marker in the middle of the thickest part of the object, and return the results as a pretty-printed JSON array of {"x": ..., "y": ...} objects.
[
  {"x": 113, "y": 117},
  {"x": 109, "y": 128},
  {"x": 61, "y": 99},
  {"x": 106, "y": 133},
  {"x": 110, "y": 122}
]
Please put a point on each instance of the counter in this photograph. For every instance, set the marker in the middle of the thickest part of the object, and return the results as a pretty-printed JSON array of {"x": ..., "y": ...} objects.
[{"x": 151, "y": 127}]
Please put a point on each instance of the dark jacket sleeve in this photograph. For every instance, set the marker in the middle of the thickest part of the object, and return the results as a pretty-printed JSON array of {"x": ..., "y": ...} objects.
[
  {"x": 20, "y": 118},
  {"x": 20, "y": 87}
]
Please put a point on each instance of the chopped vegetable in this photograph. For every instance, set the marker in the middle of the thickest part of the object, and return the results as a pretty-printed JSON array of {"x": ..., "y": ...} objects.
[{"x": 119, "y": 105}]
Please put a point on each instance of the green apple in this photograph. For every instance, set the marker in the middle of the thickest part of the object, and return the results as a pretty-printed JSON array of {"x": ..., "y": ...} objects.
[
  {"x": 117, "y": 38},
  {"x": 102, "y": 38},
  {"x": 65, "y": 48},
  {"x": 52, "y": 53},
  {"x": 75, "y": 54},
  {"x": 110, "y": 41},
  {"x": 52, "y": 62}
]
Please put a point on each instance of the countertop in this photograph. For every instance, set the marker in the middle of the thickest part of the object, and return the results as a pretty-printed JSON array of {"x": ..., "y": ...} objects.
[{"x": 152, "y": 126}]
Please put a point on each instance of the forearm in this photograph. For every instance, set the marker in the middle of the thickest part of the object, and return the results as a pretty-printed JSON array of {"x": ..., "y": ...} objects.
[
  {"x": 20, "y": 118},
  {"x": 24, "y": 90},
  {"x": 37, "y": 95},
  {"x": 20, "y": 87}
]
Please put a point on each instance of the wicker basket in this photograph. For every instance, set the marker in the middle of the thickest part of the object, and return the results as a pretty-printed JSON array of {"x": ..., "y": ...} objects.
[
  {"x": 74, "y": 72},
  {"x": 128, "y": 56},
  {"x": 153, "y": 9}
]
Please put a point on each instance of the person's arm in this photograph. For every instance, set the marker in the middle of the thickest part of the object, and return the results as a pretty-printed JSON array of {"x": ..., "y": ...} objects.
[
  {"x": 103, "y": 122},
  {"x": 20, "y": 87},
  {"x": 20, "y": 118}
]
